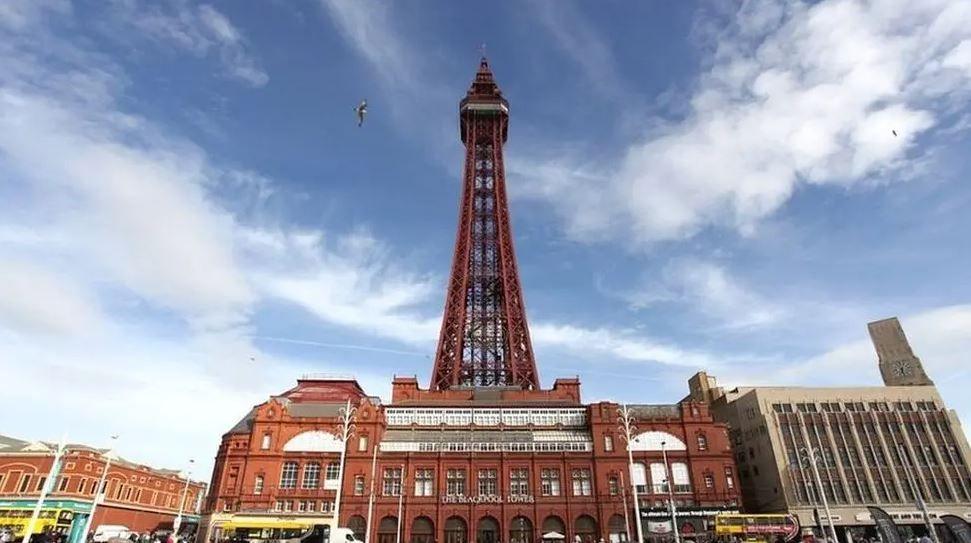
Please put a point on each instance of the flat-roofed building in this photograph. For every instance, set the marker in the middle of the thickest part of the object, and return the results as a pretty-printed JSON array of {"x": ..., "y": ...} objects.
[{"x": 870, "y": 441}]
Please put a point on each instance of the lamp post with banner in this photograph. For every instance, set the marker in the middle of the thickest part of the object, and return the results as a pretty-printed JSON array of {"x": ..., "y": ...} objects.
[{"x": 49, "y": 484}]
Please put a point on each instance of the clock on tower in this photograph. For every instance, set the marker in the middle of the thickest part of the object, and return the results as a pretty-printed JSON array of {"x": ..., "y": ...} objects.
[{"x": 899, "y": 366}]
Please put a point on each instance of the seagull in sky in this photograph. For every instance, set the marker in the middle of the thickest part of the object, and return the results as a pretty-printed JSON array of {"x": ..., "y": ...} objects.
[{"x": 361, "y": 111}]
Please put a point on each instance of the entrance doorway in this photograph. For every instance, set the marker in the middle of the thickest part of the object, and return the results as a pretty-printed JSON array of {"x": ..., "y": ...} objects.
[
  {"x": 422, "y": 530},
  {"x": 521, "y": 530},
  {"x": 487, "y": 530},
  {"x": 456, "y": 530},
  {"x": 388, "y": 530}
]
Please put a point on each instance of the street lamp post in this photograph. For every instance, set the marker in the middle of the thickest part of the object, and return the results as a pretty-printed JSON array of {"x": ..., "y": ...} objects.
[
  {"x": 185, "y": 491},
  {"x": 674, "y": 510},
  {"x": 915, "y": 489},
  {"x": 344, "y": 432},
  {"x": 401, "y": 503},
  {"x": 811, "y": 455},
  {"x": 623, "y": 496},
  {"x": 370, "y": 500},
  {"x": 46, "y": 489},
  {"x": 627, "y": 428},
  {"x": 100, "y": 492}
]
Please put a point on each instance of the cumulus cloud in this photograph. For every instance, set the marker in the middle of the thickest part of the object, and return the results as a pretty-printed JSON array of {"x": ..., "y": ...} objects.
[{"x": 792, "y": 94}]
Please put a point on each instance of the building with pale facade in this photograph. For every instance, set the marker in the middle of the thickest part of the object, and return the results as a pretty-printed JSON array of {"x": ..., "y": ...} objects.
[{"x": 876, "y": 445}]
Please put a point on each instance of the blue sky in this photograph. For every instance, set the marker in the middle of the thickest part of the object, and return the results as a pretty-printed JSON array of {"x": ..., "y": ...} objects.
[{"x": 190, "y": 217}]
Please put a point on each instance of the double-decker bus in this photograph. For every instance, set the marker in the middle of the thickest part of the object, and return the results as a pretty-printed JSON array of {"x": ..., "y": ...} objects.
[
  {"x": 277, "y": 532},
  {"x": 767, "y": 527},
  {"x": 52, "y": 520}
]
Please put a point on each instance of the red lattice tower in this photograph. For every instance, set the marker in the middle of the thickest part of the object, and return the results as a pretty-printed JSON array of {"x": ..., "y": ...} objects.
[{"x": 484, "y": 339}]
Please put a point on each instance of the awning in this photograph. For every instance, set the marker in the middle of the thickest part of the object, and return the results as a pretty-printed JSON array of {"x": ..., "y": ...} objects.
[
  {"x": 553, "y": 535},
  {"x": 232, "y": 525}
]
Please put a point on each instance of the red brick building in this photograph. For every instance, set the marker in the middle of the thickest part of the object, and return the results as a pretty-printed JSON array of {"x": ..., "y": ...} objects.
[
  {"x": 483, "y": 465},
  {"x": 137, "y": 496},
  {"x": 484, "y": 454}
]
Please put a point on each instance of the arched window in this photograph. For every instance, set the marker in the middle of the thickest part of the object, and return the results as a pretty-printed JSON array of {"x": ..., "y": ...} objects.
[
  {"x": 702, "y": 442},
  {"x": 585, "y": 527},
  {"x": 552, "y": 526},
  {"x": 314, "y": 441},
  {"x": 358, "y": 525},
  {"x": 617, "y": 529},
  {"x": 456, "y": 530},
  {"x": 388, "y": 530},
  {"x": 638, "y": 477},
  {"x": 487, "y": 530},
  {"x": 422, "y": 530},
  {"x": 655, "y": 441},
  {"x": 521, "y": 530}
]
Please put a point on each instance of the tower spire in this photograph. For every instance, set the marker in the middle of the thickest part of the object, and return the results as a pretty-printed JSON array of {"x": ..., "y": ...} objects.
[{"x": 484, "y": 340}]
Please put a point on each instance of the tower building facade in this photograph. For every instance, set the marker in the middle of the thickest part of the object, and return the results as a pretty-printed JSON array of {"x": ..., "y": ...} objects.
[{"x": 484, "y": 454}]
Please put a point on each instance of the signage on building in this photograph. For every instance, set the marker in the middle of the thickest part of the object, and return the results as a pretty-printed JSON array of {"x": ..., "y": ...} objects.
[
  {"x": 487, "y": 498},
  {"x": 664, "y": 512}
]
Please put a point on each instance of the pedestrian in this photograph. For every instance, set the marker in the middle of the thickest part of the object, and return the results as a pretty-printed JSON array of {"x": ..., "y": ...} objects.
[{"x": 925, "y": 539}]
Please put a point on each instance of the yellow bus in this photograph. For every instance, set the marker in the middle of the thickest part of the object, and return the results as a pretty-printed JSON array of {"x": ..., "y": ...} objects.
[
  {"x": 757, "y": 527},
  {"x": 54, "y": 520}
]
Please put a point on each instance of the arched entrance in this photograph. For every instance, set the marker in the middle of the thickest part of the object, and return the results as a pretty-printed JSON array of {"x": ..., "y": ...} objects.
[
  {"x": 521, "y": 530},
  {"x": 617, "y": 529},
  {"x": 487, "y": 531},
  {"x": 554, "y": 529},
  {"x": 456, "y": 530},
  {"x": 358, "y": 525},
  {"x": 585, "y": 528},
  {"x": 388, "y": 530},
  {"x": 422, "y": 530}
]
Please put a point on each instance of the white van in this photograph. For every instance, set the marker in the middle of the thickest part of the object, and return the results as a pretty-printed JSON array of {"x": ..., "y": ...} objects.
[
  {"x": 343, "y": 535},
  {"x": 107, "y": 531}
]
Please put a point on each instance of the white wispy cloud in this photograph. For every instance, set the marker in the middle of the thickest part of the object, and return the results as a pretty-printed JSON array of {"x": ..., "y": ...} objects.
[
  {"x": 792, "y": 94},
  {"x": 707, "y": 288},
  {"x": 199, "y": 29}
]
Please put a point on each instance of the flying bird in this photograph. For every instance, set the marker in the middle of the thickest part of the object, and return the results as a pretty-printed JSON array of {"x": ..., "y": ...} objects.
[
  {"x": 894, "y": 133},
  {"x": 361, "y": 111}
]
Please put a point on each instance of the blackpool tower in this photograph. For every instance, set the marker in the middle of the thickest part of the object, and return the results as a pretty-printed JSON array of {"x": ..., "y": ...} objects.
[{"x": 484, "y": 341}]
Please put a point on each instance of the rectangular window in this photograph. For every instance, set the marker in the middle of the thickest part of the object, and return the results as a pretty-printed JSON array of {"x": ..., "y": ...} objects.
[
  {"x": 288, "y": 505},
  {"x": 311, "y": 476},
  {"x": 302, "y": 506},
  {"x": 709, "y": 480},
  {"x": 392, "y": 482},
  {"x": 40, "y": 484},
  {"x": 138, "y": 495},
  {"x": 702, "y": 442},
  {"x": 362, "y": 443},
  {"x": 65, "y": 481},
  {"x": 613, "y": 486},
  {"x": 258, "y": 485},
  {"x": 265, "y": 444},
  {"x": 311, "y": 505},
  {"x": 333, "y": 471},
  {"x": 455, "y": 482},
  {"x": 424, "y": 482},
  {"x": 488, "y": 482},
  {"x": 729, "y": 478},
  {"x": 608, "y": 443},
  {"x": 288, "y": 475},
  {"x": 519, "y": 482},
  {"x": 550, "y": 481},
  {"x": 358, "y": 485},
  {"x": 581, "y": 482}
]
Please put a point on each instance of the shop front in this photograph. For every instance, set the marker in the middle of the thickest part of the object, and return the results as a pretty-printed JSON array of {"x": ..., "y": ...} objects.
[
  {"x": 66, "y": 517},
  {"x": 695, "y": 524}
]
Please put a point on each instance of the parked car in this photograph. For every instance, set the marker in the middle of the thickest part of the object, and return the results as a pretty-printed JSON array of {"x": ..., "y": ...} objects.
[{"x": 106, "y": 532}]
